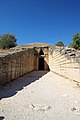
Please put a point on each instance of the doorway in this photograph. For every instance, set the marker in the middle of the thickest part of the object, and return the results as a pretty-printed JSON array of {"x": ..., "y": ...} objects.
[
  {"x": 41, "y": 64},
  {"x": 41, "y": 60}
]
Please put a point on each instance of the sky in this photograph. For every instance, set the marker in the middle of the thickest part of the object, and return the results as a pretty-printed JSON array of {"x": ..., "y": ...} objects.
[{"x": 46, "y": 21}]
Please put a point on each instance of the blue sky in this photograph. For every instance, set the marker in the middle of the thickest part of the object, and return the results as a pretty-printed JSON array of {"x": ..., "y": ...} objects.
[{"x": 47, "y": 21}]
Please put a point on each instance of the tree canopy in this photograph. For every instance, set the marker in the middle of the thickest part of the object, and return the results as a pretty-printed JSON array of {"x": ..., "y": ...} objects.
[
  {"x": 7, "y": 41},
  {"x": 60, "y": 43},
  {"x": 76, "y": 41}
]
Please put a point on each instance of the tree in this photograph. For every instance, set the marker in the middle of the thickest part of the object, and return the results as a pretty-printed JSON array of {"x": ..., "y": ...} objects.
[
  {"x": 60, "y": 43},
  {"x": 76, "y": 41},
  {"x": 7, "y": 41}
]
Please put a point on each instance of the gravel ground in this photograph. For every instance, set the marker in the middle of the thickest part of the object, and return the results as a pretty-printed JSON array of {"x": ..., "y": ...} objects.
[{"x": 40, "y": 95}]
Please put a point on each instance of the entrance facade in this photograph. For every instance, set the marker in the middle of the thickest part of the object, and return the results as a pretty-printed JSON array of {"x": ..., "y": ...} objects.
[{"x": 41, "y": 58}]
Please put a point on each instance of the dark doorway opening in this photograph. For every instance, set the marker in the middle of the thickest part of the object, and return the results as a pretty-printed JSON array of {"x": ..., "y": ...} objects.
[
  {"x": 41, "y": 60},
  {"x": 41, "y": 63}
]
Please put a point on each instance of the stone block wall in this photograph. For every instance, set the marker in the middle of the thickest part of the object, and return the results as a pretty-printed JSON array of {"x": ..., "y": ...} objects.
[
  {"x": 16, "y": 64},
  {"x": 65, "y": 66},
  {"x": 19, "y": 62}
]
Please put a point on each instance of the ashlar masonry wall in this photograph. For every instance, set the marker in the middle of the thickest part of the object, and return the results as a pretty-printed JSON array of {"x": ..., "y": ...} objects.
[
  {"x": 64, "y": 65},
  {"x": 14, "y": 65},
  {"x": 19, "y": 62}
]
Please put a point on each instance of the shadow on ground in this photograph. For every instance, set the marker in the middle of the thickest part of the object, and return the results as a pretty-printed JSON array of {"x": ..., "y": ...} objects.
[
  {"x": 14, "y": 86},
  {"x": 1, "y": 117}
]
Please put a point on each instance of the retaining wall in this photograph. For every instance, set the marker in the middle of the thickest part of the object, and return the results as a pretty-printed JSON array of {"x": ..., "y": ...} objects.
[
  {"x": 14, "y": 65},
  {"x": 17, "y": 63},
  {"x": 66, "y": 66}
]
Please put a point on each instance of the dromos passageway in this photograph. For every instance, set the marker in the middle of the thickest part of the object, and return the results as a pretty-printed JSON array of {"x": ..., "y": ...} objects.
[{"x": 40, "y": 95}]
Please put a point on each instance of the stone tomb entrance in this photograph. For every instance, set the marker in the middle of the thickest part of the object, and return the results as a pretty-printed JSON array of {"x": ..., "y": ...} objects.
[{"x": 41, "y": 58}]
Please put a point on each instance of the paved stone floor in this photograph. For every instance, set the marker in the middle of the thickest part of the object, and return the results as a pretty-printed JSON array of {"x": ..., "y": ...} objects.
[{"x": 40, "y": 95}]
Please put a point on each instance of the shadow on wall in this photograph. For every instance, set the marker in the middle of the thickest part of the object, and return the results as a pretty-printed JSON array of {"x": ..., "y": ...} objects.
[
  {"x": 1, "y": 117},
  {"x": 14, "y": 86}
]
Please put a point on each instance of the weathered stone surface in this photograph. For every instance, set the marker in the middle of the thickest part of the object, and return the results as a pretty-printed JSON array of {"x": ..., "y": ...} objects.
[
  {"x": 23, "y": 59},
  {"x": 16, "y": 64},
  {"x": 64, "y": 65}
]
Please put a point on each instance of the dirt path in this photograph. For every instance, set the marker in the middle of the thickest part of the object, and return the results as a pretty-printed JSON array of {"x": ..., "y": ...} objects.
[{"x": 40, "y": 95}]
